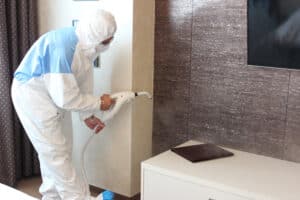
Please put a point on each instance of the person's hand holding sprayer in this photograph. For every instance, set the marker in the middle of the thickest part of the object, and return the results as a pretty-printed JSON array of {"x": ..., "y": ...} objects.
[{"x": 95, "y": 123}]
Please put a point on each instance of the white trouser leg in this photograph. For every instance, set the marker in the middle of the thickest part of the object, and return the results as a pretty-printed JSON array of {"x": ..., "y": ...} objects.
[
  {"x": 47, "y": 189},
  {"x": 50, "y": 143}
]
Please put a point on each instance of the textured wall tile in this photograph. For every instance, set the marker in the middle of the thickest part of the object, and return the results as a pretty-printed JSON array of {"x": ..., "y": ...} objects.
[
  {"x": 163, "y": 141},
  {"x": 292, "y": 152},
  {"x": 171, "y": 88},
  {"x": 292, "y": 140},
  {"x": 203, "y": 124},
  {"x": 229, "y": 103},
  {"x": 270, "y": 147},
  {"x": 171, "y": 73},
  {"x": 173, "y": 9},
  {"x": 170, "y": 115},
  {"x": 245, "y": 106},
  {"x": 218, "y": 109},
  {"x": 293, "y": 124},
  {"x": 219, "y": 34},
  {"x": 228, "y": 6},
  {"x": 248, "y": 104},
  {"x": 173, "y": 42},
  {"x": 293, "y": 112},
  {"x": 169, "y": 120}
]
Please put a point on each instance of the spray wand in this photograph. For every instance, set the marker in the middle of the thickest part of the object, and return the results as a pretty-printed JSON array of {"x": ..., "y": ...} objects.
[{"x": 121, "y": 98}]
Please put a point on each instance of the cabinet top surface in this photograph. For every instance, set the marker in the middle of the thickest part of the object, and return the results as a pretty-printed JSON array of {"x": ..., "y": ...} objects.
[{"x": 247, "y": 174}]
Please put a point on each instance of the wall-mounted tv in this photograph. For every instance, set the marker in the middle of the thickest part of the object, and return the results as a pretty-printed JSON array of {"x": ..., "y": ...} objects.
[{"x": 274, "y": 33}]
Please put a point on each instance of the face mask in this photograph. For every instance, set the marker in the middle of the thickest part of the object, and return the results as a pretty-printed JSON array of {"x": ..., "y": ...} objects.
[
  {"x": 101, "y": 48},
  {"x": 90, "y": 53},
  {"x": 93, "y": 52}
]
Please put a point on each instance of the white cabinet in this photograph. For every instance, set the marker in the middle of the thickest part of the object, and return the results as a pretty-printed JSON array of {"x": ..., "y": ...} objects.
[
  {"x": 244, "y": 176},
  {"x": 160, "y": 186}
]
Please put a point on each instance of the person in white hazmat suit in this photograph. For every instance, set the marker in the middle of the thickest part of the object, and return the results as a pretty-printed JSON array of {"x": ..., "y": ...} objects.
[{"x": 55, "y": 76}]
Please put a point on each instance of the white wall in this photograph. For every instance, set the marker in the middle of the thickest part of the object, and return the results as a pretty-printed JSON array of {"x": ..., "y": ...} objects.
[
  {"x": 113, "y": 157},
  {"x": 59, "y": 13},
  {"x": 110, "y": 151},
  {"x": 143, "y": 67}
]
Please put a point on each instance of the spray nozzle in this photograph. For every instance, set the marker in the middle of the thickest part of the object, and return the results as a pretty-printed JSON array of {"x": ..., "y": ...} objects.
[{"x": 143, "y": 93}]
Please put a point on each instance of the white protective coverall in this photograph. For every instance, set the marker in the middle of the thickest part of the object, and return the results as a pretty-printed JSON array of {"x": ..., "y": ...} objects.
[{"x": 56, "y": 75}]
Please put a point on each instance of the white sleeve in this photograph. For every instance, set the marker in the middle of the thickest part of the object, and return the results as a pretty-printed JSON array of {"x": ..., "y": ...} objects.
[
  {"x": 87, "y": 87},
  {"x": 66, "y": 94}
]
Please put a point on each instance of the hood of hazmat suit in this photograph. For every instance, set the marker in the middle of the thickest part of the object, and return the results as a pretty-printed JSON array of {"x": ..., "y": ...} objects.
[
  {"x": 92, "y": 30},
  {"x": 55, "y": 76}
]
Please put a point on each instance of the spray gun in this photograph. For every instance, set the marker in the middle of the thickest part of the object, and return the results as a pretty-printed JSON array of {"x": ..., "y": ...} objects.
[{"x": 120, "y": 98}]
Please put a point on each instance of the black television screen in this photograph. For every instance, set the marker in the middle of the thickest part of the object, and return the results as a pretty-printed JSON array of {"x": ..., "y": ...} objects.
[{"x": 274, "y": 33}]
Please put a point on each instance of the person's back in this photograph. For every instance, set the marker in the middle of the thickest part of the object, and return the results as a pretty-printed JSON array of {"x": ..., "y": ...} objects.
[{"x": 52, "y": 53}]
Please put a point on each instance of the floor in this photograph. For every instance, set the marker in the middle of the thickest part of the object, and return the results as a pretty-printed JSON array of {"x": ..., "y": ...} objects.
[{"x": 31, "y": 187}]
